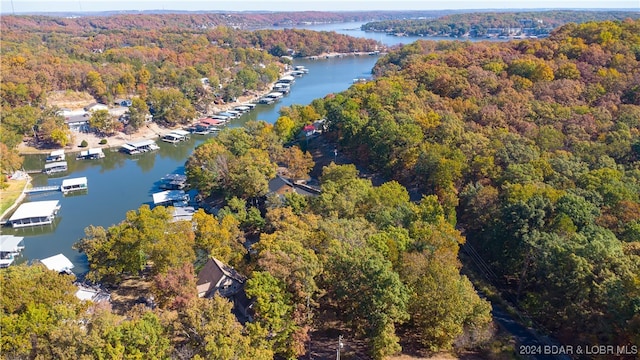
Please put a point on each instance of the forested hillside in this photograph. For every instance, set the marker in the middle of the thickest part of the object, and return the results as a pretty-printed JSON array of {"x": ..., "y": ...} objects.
[
  {"x": 481, "y": 24},
  {"x": 532, "y": 149},
  {"x": 527, "y": 150},
  {"x": 131, "y": 56}
]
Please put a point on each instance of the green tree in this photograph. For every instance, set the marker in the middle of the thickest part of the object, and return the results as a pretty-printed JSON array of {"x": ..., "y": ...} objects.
[
  {"x": 34, "y": 302},
  {"x": 103, "y": 122},
  {"x": 443, "y": 303},
  {"x": 138, "y": 112},
  {"x": 274, "y": 310},
  {"x": 367, "y": 294},
  {"x": 212, "y": 332},
  {"x": 171, "y": 107}
]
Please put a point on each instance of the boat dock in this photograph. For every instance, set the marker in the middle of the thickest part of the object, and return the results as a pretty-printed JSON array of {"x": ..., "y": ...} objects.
[
  {"x": 40, "y": 189},
  {"x": 68, "y": 185}
]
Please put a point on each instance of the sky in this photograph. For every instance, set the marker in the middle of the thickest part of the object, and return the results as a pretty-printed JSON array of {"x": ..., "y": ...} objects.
[{"x": 26, "y": 6}]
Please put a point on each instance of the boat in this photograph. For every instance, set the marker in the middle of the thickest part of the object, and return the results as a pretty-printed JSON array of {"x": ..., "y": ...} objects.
[
  {"x": 173, "y": 182},
  {"x": 75, "y": 184},
  {"x": 55, "y": 167},
  {"x": 301, "y": 68},
  {"x": 175, "y": 198},
  {"x": 91, "y": 154},
  {"x": 55, "y": 156},
  {"x": 175, "y": 136},
  {"x": 10, "y": 248},
  {"x": 35, "y": 213},
  {"x": 139, "y": 147}
]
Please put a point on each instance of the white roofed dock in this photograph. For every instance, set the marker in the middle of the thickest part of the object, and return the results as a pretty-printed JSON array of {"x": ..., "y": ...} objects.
[
  {"x": 35, "y": 213},
  {"x": 58, "y": 263},
  {"x": 10, "y": 247},
  {"x": 75, "y": 184}
]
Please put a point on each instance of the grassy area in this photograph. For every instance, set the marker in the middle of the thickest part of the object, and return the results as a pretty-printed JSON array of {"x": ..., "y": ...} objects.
[{"x": 9, "y": 195}]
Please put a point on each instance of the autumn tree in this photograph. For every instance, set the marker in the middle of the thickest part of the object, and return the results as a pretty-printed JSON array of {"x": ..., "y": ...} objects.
[{"x": 170, "y": 107}]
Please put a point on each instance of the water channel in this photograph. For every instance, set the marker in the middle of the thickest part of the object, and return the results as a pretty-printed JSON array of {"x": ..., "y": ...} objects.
[{"x": 119, "y": 183}]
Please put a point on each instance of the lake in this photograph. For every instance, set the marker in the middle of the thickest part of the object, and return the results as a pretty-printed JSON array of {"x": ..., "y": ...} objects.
[{"x": 119, "y": 183}]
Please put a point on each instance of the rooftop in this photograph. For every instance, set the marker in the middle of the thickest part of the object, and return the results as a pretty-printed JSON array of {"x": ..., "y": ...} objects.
[
  {"x": 35, "y": 209},
  {"x": 9, "y": 243},
  {"x": 57, "y": 263}
]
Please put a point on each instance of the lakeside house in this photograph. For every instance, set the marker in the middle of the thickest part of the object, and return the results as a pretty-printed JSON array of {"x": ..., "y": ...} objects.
[
  {"x": 35, "y": 213},
  {"x": 10, "y": 248},
  {"x": 282, "y": 186},
  {"x": 217, "y": 278}
]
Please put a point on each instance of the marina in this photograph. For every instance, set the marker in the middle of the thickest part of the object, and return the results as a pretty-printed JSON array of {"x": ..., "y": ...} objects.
[
  {"x": 34, "y": 214},
  {"x": 120, "y": 182}
]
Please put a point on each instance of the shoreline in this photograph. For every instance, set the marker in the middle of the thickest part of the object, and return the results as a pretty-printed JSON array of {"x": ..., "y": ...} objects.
[{"x": 148, "y": 131}]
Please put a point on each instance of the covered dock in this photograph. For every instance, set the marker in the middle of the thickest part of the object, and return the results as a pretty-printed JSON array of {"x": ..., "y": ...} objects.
[
  {"x": 176, "y": 198},
  {"x": 176, "y": 136},
  {"x": 55, "y": 167},
  {"x": 75, "y": 184},
  {"x": 287, "y": 79},
  {"x": 56, "y": 155},
  {"x": 91, "y": 154},
  {"x": 138, "y": 147},
  {"x": 10, "y": 248},
  {"x": 58, "y": 263},
  {"x": 173, "y": 182},
  {"x": 35, "y": 213}
]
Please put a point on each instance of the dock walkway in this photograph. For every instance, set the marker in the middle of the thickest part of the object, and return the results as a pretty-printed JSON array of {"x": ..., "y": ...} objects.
[{"x": 42, "y": 189}]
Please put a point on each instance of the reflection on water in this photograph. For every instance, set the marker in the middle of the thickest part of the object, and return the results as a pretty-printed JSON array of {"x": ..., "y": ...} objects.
[{"x": 33, "y": 230}]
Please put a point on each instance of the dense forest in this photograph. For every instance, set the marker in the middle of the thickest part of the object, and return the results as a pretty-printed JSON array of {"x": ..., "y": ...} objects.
[
  {"x": 481, "y": 24},
  {"x": 532, "y": 149},
  {"x": 195, "y": 20},
  {"x": 526, "y": 151}
]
